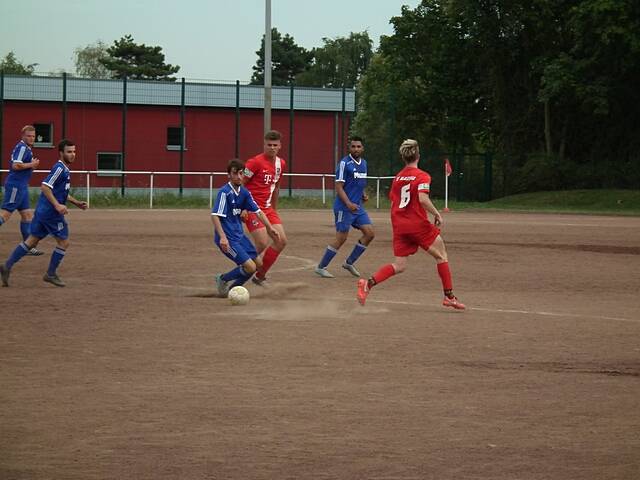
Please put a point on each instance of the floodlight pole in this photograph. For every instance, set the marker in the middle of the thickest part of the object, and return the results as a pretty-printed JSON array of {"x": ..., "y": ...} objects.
[{"x": 267, "y": 66}]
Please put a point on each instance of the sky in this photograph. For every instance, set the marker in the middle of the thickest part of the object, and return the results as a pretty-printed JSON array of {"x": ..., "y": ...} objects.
[{"x": 215, "y": 39}]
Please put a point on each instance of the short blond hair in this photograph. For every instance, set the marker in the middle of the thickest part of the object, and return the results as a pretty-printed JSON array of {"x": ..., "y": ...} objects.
[
  {"x": 409, "y": 150},
  {"x": 28, "y": 128}
]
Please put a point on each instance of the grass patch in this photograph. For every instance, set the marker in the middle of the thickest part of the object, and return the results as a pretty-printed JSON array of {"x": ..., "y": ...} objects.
[
  {"x": 619, "y": 202},
  {"x": 611, "y": 202}
]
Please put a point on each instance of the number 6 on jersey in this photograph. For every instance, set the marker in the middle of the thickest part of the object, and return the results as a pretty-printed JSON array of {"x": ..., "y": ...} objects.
[{"x": 405, "y": 195}]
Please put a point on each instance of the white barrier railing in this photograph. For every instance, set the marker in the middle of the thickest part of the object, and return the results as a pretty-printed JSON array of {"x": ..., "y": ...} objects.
[{"x": 115, "y": 173}]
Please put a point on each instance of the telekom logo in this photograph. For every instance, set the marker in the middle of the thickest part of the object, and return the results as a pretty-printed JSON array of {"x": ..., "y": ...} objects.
[{"x": 268, "y": 177}]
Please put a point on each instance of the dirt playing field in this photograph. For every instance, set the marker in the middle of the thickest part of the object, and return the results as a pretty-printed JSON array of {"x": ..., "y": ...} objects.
[{"x": 133, "y": 371}]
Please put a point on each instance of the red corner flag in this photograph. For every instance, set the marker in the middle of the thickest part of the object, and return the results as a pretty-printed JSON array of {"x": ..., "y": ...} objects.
[{"x": 447, "y": 167}]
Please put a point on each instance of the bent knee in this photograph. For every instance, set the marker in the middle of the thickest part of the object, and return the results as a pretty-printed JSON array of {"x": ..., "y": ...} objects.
[{"x": 251, "y": 266}]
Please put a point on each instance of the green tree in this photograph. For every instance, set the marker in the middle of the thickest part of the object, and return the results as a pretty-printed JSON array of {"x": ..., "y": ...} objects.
[
  {"x": 287, "y": 58},
  {"x": 421, "y": 84},
  {"x": 87, "y": 61},
  {"x": 137, "y": 61},
  {"x": 10, "y": 64},
  {"x": 339, "y": 62},
  {"x": 548, "y": 86}
]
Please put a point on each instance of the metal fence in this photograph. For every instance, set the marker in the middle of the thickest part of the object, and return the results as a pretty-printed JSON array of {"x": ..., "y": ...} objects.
[
  {"x": 234, "y": 104},
  {"x": 325, "y": 184}
]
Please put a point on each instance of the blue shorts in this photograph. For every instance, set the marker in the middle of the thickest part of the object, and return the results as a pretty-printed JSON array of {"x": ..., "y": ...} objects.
[
  {"x": 16, "y": 197},
  {"x": 56, "y": 227},
  {"x": 345, "y": 219},
  {"x": 240, "y": 250}
]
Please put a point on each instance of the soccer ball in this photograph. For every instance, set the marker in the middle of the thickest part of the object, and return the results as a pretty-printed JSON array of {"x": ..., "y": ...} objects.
[{"x": 239, "y": 296}]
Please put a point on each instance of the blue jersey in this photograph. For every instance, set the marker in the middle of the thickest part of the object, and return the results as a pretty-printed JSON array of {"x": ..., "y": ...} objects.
[
  {"x": 229, "y": 204},
  {"x": 21, "y": 154},
  {"x": 59, "y": 180},
  {"x": 353, "y": 174}
]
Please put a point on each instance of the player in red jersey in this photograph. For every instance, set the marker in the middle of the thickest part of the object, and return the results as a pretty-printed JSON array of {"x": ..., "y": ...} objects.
[
  {"x": 411, "y": 227},
  {"x": 262, "y": 178}
]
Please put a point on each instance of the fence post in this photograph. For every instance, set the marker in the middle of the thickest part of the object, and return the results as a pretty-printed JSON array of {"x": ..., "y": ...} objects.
[
  {"x": 211, "y": 191},
  {"x": 182, "y": 135},
  {"x": 151, "y": 191},
  {"x": 290, "y": 136},
  {"x": 124, "y": 133},
  {"x": 488, "y": 177},
  {"x": 324, "y": 194},
  {"x": 88, "y": 189},
  {"x": 378, "y": 193}
]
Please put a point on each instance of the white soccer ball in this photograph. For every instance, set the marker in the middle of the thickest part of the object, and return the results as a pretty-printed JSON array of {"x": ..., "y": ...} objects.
[{"x": 239, "y": 296}]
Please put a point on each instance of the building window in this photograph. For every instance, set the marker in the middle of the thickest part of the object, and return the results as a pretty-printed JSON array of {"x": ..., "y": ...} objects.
[
  {"x": 173, "y": 138},
  {"x": 109, "y": 164},
  {"x": 44, "y": 134}
]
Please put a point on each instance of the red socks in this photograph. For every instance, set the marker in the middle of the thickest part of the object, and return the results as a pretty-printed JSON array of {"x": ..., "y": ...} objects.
[
  {"x": 383, "y": 274},
  {"x": 445, "y": 276},
  {"x": 269, "y": 258}
]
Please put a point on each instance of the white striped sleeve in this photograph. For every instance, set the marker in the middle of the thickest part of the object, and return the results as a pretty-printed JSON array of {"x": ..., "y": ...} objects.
[
  {"x": 221, "y": 207},
  {"x": 18, "y": 158},
  {"x": 340, "y": 177},
  {"x": 49, "y": 182}
]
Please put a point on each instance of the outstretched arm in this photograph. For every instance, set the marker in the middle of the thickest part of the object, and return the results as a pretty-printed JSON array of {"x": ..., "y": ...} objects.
[
  {"x": 428, "y": 205},
  {"x": 78, "y": 203},
  {"x": 273, "y": 233}
]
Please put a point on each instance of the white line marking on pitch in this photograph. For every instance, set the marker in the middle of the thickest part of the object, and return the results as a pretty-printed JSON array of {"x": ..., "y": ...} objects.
[
  {"x": 395, "y": 302},
  {"x": 523, "y": 312},
  {"x": 400, "y": 302}
]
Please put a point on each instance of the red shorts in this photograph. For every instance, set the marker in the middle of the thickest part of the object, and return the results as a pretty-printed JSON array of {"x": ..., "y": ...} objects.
[
  {"x": 405, "y": 244},
  {"x": 253, "y": 223}
]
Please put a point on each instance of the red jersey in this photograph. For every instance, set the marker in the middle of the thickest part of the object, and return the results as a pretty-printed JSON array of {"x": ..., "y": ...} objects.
[
  {"x": 262, "y": 175},
  {"x": 407, "y": 215}
]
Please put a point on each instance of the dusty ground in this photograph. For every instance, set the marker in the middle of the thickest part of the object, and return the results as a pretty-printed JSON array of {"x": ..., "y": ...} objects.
[{"x": 132, "y": 372}]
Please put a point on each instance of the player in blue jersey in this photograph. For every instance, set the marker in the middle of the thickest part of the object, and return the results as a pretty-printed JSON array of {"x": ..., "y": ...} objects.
[
  {"x": 16, "y": 187},
  {"x": 351, "y": 181},
  {"x": 229, "y": 236},
  {"x": 49, "y": 216}
]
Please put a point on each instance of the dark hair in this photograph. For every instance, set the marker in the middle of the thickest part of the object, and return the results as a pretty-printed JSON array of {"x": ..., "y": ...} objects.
[
  {"x": 65, "y": 143},
  {"x": 356, "y": 138},
  {"x": 235, "y": 164},
  {"x": 272, "y": 135}
]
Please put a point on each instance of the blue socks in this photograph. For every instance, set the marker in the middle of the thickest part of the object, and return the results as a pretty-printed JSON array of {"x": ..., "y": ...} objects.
[
  {"x": 242, "y": 280},
  {"x": 20, "y": 251},
  {"x": 25, "y": 229},
  {"x": 56, "y": 258},
  {"x": 358, "y": 250},
  {"x": 329, "y": 253},
  {"x": 237, "y": 275}
]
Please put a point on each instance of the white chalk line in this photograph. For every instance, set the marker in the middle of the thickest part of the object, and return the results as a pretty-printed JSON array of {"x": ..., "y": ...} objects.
[
  {"x": 520, "y": 312},
  {"x": 311, "y": 263}
]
